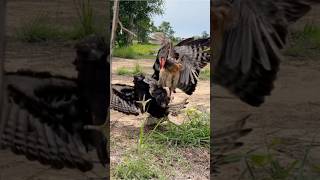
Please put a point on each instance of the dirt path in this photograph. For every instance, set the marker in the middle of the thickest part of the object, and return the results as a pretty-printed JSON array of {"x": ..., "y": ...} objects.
[
  {"x": 291, "y": 114},
  {"x": 125, "y": 129}
]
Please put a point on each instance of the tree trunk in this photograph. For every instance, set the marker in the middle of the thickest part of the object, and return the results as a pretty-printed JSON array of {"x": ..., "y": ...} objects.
[{"x": 115, "y": 21}]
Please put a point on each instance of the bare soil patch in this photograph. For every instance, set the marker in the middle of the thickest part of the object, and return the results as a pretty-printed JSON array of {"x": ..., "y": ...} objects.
[
  {"x": 125, "y": 128},
  {"x": 291, "y": 114}
]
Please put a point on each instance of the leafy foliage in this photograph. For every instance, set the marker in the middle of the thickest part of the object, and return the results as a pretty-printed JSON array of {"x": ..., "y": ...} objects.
[
  {"x": 136, "y": 16},
  {"x": 166, "y": 28},
  {"x": 204, "y": 34}
]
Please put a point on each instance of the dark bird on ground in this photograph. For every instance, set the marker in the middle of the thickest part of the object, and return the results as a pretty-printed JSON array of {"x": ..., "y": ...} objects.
[
  {"x": 179, "y": 66},
  {"x": 128, "y": 99},
  {"x": 247, "y": 38},
  {"x": 45, "y": 116}
]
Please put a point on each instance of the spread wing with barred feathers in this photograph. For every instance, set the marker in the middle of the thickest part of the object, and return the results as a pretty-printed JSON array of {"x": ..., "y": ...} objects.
[
  {"x": 248, "y": 36},
  {"x": 123, "y": 99},
  {"x": 226, "y": 140},
  {"x": 43, "y": 120},
  {"x": 193, "y": 54}
]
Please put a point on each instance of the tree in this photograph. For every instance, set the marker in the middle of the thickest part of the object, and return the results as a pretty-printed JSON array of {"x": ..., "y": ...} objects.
[
  {"x": 204, "y": 34},
  {"x": 136, "y": 16},
  {"x": 166, "y": 28}
]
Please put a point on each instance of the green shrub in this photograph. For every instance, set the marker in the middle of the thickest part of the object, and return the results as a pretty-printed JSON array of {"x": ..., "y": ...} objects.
[{"x": 124, "y": 52}]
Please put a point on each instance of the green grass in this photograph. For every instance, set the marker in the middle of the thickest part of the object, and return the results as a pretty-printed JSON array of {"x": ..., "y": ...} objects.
[
  {"x": 194, "y": 132},
  {"x": 156, "y": 157},
  {"x": 40, "y": 29},
  {"x": 150, "y": 161},
  {"x": 305, "y": 43},
  {"x": 124, "y": 71},
  {"x": 205, "y": 74},
  {"x": 137, "y": 51},
  {"x": 137, "y": 167},
  {"x": 268, "y": 165},
  {"x": 125, "y": 52}
]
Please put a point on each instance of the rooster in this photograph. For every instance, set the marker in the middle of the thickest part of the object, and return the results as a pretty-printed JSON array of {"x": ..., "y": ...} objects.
[
  {"x": 179, "y": 66},
  {"x": 45, "y": 116},
  {"x": 248, "y": 35}
]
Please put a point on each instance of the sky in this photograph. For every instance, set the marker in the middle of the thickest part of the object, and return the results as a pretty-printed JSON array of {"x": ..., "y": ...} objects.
[{"x": 187, "y": 17}]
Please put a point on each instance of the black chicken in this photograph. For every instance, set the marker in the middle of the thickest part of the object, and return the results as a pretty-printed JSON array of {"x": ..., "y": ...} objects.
[
  {"x": 179, "y": 66},
  {"x": 44, "y": 116},
  {"x": 248, "y": 35},
  {"x": 126, "y": 98}
]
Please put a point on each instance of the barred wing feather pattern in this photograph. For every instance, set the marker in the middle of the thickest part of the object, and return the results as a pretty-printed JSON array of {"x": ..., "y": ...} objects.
[
  {"x": 248, "y": 36},
  {"x": 43, "y": 120},
  {"x": 193, "y": 54},
  {"x": 125, "y": 97}
]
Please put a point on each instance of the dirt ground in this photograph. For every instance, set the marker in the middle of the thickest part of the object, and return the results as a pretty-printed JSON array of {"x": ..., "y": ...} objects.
[
  {"x": 125, "y": 128},
  {"x": 291, "y": 113}
]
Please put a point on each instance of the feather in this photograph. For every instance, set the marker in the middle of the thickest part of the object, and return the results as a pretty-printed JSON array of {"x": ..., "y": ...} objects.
[
  {"x": 44, "y": 115},
  {"x": 261, "y": 27}
]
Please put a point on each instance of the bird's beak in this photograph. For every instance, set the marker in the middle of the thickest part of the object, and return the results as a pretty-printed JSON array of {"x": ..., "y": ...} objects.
[{"x": 162, "y": 62}]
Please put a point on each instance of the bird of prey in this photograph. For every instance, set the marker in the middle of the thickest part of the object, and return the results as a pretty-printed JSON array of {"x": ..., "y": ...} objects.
[
  {"x": 126, "y": 98},
  {"x": 179, "y": 66},
  {"x": 248, "y": 35},
  {"x": 44, "y": 115}
]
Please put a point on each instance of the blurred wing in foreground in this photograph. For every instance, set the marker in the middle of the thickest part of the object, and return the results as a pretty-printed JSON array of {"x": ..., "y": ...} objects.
[
  {"x": 43, "y": 120},
  {"x": 248, "y": 35},
  {"x": 45, "y": 117}
]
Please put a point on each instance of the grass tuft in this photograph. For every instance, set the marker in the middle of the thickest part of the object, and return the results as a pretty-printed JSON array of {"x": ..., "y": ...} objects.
[
  {"x": 194, "y": 132},
  {"x": 305, "y": 43},
  {"x": 39, "y": 30},
  {"x": 136, "y": 167},
  {"x": 124, "y": 71},
  {"x": 149, "y": 161},
  {"x": 154, "y": 158},
  {"x": 205, "y": 74}
]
